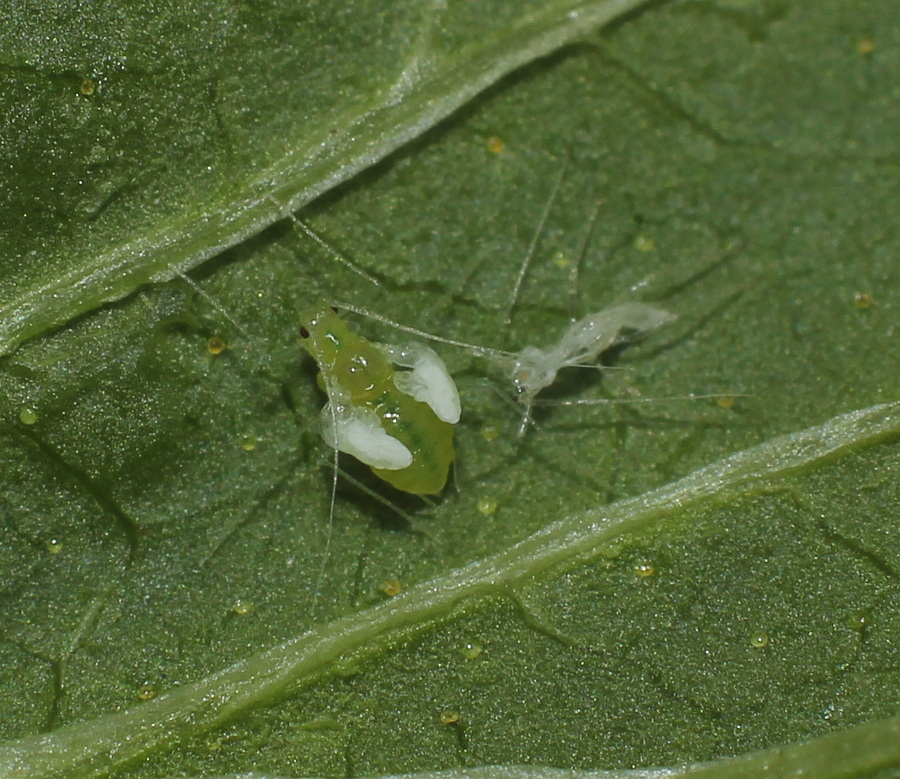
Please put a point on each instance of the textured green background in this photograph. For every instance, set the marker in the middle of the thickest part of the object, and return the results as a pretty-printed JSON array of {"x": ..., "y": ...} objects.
[{"x": 745, "y": 158}]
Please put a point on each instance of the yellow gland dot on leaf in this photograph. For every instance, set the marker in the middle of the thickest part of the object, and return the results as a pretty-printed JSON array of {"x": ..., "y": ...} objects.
[
  {"x": 146, "y": 692},
  {"x": 472, "y": 650},
  {"x": 858, "y": 620},
  {"x": 644, "y": 569},
  {"x": 215, "y": 345},
  {"x": 862, "y": 300},
  {"x": 487, "y": 506}
]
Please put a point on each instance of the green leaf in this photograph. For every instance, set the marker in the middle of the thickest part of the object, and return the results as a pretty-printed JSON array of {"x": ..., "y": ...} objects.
[
  {"x": 709, "y": 584},
  {"x": 165, "y": 135}
]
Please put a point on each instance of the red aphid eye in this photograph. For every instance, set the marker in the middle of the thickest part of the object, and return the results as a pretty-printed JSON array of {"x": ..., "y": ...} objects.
[
  {"x": 304, "y": 333},
  {"x": 334, "y": 308}
]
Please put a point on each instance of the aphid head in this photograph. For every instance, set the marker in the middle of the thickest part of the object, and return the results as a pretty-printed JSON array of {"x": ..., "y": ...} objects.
[
  {"x": 322, "y": 331},
  {"x": 347, "y": 361}
]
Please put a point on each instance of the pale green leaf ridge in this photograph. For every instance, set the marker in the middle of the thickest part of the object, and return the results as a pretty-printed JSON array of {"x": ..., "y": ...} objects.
[
  {"x": 420, "y": 99},
  {"x": 103, "y": 745}
]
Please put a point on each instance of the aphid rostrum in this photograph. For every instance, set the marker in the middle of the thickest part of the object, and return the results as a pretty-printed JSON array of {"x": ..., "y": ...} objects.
[{"x": 391, "y": 407}]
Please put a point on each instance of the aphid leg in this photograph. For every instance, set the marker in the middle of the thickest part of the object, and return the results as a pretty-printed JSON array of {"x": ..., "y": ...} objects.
[
  {"x": 526, "y": 421},
  {"x": 575, "y": 271},
  {"x": 532, "y": 247},
  {"x": 516, "y": 404},
  {"x": 374, "y": 495},
  {"x": 329, "y": 532}
]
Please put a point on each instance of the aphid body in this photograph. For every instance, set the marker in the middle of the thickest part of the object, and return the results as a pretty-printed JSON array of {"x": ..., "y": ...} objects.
[{"x": 399, "y": 421}]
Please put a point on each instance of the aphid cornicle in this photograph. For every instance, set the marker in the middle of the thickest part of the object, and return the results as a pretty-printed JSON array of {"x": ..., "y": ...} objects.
[{"x": 400, "y": 421}]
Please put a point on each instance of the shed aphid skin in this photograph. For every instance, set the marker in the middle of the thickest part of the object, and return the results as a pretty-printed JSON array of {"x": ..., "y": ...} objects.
[
  {"x": 398, "y": 421},
  {"x": 535, "y": 369}
]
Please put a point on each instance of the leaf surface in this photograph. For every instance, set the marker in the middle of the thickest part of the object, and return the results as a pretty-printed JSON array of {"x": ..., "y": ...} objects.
[{"x": 642, "y": 583}]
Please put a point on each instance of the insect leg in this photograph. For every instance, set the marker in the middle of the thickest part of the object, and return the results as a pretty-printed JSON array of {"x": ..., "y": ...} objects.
[{"x": 529, "y": 255}]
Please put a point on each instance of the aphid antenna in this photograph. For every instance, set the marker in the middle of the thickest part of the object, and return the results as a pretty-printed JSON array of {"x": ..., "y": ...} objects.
[
  {"x": 474, "y": 349},
  {"x": 329, "y": 533},
  {"x": 532, "y": 247},
  {"x": 300, "y": 225},
  {"x": 212, "y": 301},
  {"x": 339, "y": 256},
  {"x": 631, "y": 401}
]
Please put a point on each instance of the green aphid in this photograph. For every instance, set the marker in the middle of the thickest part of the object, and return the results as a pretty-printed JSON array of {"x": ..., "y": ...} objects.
[{"x": 391, "y": 407}]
